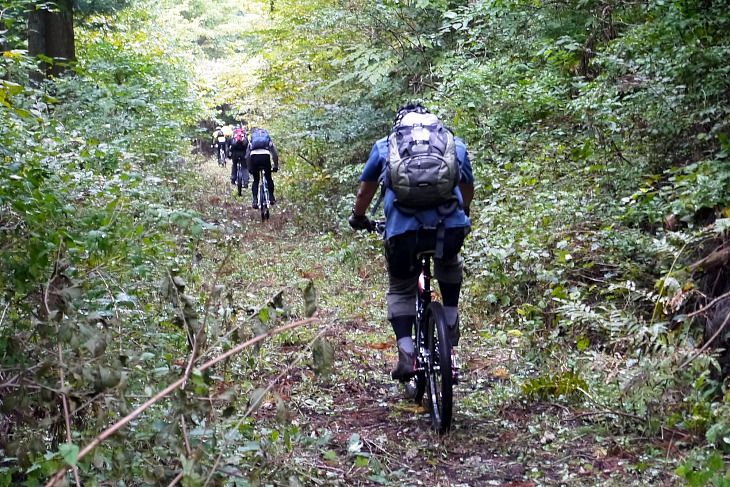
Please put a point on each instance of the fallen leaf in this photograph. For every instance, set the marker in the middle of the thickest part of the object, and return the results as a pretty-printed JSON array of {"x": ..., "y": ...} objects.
[
  {"x": 409, "y": 407},
  {"x": 500, "y": 373}
]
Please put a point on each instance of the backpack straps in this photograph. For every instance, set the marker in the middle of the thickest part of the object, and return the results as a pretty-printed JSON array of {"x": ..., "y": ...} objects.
[
  {"x": 443, "y": 211},
  {"x": 381, "y": 196}
]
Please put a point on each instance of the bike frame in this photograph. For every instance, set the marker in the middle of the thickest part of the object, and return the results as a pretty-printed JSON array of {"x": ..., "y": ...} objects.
[
  {"x": 263, "y": 195},
  {"x": 424, "y": 297},
  {"x": 428, "y": 367},
  {"x": 434, "y": 362},
  {"x": 221, "y": 154}
]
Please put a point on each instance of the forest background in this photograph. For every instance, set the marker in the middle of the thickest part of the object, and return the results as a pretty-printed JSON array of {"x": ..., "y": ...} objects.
[{"x": 597, "y": 269}]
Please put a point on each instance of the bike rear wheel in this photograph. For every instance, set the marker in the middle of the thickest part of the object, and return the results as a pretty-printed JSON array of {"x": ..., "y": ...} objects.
[
  {"x": 438, "y": 373},
  {"x": 239, "y": 178},
  {"x": 263, "y": 199}
]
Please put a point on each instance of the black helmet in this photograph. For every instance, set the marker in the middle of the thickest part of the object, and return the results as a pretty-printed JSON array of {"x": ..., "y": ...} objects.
[{"x": 408, "y": 108}]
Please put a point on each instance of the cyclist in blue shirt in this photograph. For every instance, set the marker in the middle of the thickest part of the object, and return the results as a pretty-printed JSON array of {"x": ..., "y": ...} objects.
[{"x": 407, "y": 234}]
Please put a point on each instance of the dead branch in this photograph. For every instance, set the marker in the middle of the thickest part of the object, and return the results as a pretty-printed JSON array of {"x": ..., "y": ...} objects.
[
  {"x": 301, "y": 156},
  {"x": 177, "y": 479},
  {"x": 104, "y": 435},
  {"x": 710, "y": 305},
  {"x": 717, "y": 257},
  {"x": 253, "y": 406}
]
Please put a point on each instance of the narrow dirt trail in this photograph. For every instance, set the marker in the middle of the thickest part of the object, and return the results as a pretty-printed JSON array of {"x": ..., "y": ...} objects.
[{"x": 361, "y": 429}]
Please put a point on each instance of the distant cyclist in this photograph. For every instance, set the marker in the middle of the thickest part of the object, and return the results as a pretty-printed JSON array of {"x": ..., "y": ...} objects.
[
  {"x": 219, "y": 144},
  {"x": 239, "y": 146},
  {"x": 425, "y": 211},
  {"x": 262, "y": 156},
  {"x": 228, "y": 132}
]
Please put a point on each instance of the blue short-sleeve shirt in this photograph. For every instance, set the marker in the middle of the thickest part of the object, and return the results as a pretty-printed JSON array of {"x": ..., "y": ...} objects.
[{"x": 398, "y": 222}]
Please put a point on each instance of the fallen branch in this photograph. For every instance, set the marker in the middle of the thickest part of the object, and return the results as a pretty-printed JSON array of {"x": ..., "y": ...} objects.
[
  {"x": 308, "y": 161},
  {"x": 253, "y": 406},
  {"x": 634, "y": 417},
  {"x": 716, "y": 258},
  {"x": 104, "y": 435},
  {"x": 710, "y": 305}
]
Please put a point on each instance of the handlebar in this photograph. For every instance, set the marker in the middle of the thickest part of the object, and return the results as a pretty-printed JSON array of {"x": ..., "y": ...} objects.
[{"x": 378, "y": 226}]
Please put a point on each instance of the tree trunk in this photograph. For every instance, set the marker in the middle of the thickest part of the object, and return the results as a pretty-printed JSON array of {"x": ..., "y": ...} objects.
[{"x": 51, "y": 34}]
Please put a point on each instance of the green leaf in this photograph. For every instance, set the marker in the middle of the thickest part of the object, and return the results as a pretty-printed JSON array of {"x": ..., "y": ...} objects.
[
  {"x": 330, "y": 456},
  {"x": 323, "y": 355},
  {"x": 256, "y": 399},
  {"x": 69, "y": 452},
  {"x": 310, "y": 299},
  {"x": 354, "y": 444}
]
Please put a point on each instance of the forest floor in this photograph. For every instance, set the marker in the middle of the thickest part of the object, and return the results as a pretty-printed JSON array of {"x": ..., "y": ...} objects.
[{"x": 367, "y": 432}]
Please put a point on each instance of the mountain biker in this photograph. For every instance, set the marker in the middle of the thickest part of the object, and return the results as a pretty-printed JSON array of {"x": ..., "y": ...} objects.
[
  {"x": 409, "y": 232},
  {"x": 239, "y": 146},
  {"x": 218, "y": 138},
  {"x": 228, "y": 132},
  {"x": 261, "y": 155}
]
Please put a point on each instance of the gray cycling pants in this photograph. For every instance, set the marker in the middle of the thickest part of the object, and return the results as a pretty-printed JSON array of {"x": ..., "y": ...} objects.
[{"x": 403, "y": 268}]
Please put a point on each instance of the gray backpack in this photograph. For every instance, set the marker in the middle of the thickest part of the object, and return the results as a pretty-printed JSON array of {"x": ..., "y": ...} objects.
[{"x": 421, "y": 168}]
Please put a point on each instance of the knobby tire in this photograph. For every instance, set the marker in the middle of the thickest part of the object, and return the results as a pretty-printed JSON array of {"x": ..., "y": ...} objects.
[
  {"x": 420, "y": 379},
  {"x": 239, "y": 178},
  {"x": 263, "y": 200},
  {"x": 439, "y": 378}
]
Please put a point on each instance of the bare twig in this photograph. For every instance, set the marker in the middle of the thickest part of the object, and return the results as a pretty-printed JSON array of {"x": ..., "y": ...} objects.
[
  {"x": 66, "y": 415},
  {"x": 710, "y": 305},
  {"x": 184, "y": 428},
  {"x": 177, "y": 479},
  {"x": 301, "y": 156},
  {"x": 707, "y": 344},
  {"x": 10, "y": 382},
  {"x": 606, "y": 413},
  {"x": 104, "y": 435},
  {"x": 2, "y": 318}
]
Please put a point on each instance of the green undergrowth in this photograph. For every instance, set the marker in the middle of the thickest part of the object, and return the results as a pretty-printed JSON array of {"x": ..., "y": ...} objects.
[{"x": 599, "y": 140}]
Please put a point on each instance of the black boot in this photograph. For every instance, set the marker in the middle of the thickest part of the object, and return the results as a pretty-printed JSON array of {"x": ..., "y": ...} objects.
[{"x": 406, "y": 366}]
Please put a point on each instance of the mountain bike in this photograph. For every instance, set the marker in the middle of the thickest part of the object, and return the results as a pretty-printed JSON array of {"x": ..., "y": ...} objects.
[
  {"x": 437, "y": 368},
  {"x": 264, "y": 200},
  {"x": 241, "y": 180},
  {"x": 222, "y": 155}
]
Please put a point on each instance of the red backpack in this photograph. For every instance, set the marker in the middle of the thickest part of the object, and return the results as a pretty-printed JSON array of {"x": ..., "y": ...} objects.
[{"x": 239, "y": 138}]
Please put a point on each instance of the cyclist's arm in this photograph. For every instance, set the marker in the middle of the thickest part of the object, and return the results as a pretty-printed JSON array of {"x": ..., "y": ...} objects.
[
  {"x": 365, "y": 193},
  {"x": 248, "y": 155},
  {"x": 467, "y": 193},
  {"x": 466, "y": 185},
  {"x": 369, "y": 179},
  {"x": 274, "y": 154}
]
